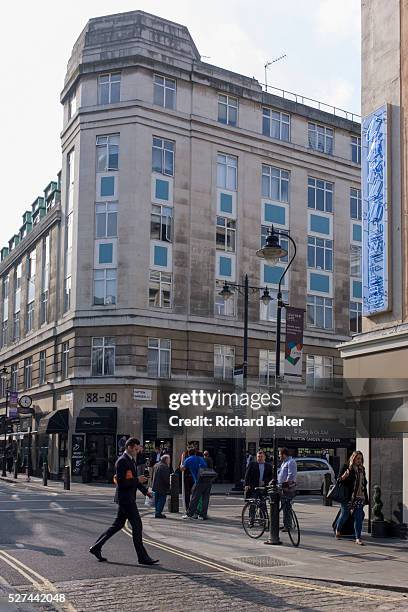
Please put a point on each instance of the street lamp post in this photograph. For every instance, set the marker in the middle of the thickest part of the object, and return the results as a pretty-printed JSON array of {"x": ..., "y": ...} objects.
[
  {"x": 227, "y": 292},
  {"x": 271, "y": 252},
  {"x": 4, "y": 374}
]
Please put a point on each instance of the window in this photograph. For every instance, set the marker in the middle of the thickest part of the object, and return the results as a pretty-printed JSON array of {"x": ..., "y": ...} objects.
[
  {"x": 320, "y": 138},
  {"x": 267, "y": 368},
  {"x": 30, "y": 316},
  {"x": 159, "y": 289},
  {"x": 70, "y": 180},
  {"x": 31, "y": 270},
  {"x": 161, "y": 223},
  {"x": 355, "y": 204},
  {"x": 356, "y": 309},
  {"x": 64, "y": 359},
  {"x": 3, "y": 385},
  {"x": 42, "y": 368},
  {"x": 164, "y": 92},
  {"x": 275, "y": 183},
  {"x": 355, "y": 260},
  {"x": 319, "y": 253},
  {"x": 224, "y": 358},
  {"x": 107, "y": 153},
  {"x": 227, "y": 166},
  {"x": 4, "y": 334},
  {"x": 268, "y": 312},
  {"x": 319, "y": 194},
  {"x": 17, "y": 287},
  {"x": 160, "y": 257},
  {"x": 275, "y": 124},
  {"x": 44, "y": 307},
  {"x": 103, "y": 356},
  {"x": 158, "y": 357},
  {"x": 45, "y": 271},
  {"x": 72, "y": 105},
  {"x": 105, "y": 287},
  {"x": 28, "y": 372},
  {"x": 14, "y": 377},
  {"x": 5, "y": 297},
  {"x": 320, "y": 224},
  {"x": 16, "y": 326},
  {"x": 320, "y": 312},
  {"x": 106, "y": 220},
  {"x": 319, "y": 372},
  {"x": 67, "y": 293},
  {"x": 356, "y": 149},
  {"x": 163, "y": 156},
  {"x": 227, "y": 109},
  {"x": 107, "y": 187},
  {"x": 109, "y": 88},
  {"x": 225, "y": 234},
  {"x": 222, "y": 307},
  {"x": 105, "y": 253}
]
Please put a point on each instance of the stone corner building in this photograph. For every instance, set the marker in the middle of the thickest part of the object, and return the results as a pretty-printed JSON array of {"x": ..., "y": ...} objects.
[{"x": 172, "y": 172}]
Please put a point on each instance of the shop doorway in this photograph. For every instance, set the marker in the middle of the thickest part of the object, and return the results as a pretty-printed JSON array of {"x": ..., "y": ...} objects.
[
  {"x": 226, "y": 452},
  {"x": 62, "y": 452},
  {"x": 99, "y": 449}
]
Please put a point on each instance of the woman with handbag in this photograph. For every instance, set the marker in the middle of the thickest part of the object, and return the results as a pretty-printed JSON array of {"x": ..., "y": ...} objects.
[{"x": 355, "y": 485}]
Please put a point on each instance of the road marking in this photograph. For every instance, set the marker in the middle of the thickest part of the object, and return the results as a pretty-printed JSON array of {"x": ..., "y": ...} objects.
[
  {"x": 298, "y": 585},
  {"x": 39, "y": 582},
  {"x": 92, "y": 508}
]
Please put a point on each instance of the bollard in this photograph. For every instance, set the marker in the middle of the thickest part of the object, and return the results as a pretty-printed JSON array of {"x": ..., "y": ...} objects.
[
  {"x": 326, "y": 486},
  {"x": 15, "y": 469},
  {"x": 45, "y": 473},
  {"x": 173, "y": 505},
  {"x": 67, "y": 478}
]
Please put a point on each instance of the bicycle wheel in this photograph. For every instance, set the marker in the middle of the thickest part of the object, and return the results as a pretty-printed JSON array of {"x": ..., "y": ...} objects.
[
  {"x": 293, "y": 528},
  {"x": 254, "y": 519}
]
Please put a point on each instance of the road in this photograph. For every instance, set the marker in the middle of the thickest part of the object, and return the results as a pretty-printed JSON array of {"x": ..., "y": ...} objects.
[{"x": 44, "y": 541}]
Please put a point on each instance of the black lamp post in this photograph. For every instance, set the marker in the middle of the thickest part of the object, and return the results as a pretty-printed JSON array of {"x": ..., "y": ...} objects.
[
  {"x": 271, "y": 252},
  {"x": 227, "y": 292},
  {"x": 4, "y": 374}
]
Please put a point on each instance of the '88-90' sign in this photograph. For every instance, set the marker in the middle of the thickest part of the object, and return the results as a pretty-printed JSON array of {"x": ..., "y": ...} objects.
[{"x": 375, "y": 212}]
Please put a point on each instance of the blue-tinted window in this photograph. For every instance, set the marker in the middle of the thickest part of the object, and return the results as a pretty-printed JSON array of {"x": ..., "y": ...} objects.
[
  {"x": 357, "y": 289},
  {"x": 107, "y": 186},
  {"x": 357, "y": 232},
  {"x": 106, "y": 253},
  {"x": 272, "y": 274},
  {"x": 160, "y": 256},
  {"x": 275, "y": 214},
  {"x": 225, "y": 266},
  {"x": 226, "y": 203},
  {"x": 319, "y": 282},
  {"x": 320, "y": 224},
  {"x": 162, "y": 189}
]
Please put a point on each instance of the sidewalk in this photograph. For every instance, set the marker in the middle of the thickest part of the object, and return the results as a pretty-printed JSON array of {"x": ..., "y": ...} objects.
[{"x": 380, "y": 563}]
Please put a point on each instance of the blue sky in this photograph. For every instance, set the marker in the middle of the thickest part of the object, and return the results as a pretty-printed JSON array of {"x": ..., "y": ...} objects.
[{"x": 321, "y": 39}]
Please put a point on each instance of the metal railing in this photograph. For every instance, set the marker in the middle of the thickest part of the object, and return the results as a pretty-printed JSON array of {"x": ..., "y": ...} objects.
[{"x": 322, "y": 106}]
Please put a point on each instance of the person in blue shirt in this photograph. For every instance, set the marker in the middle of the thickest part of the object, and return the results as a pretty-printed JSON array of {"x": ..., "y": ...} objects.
[
  {"x": 287, "y": 480},
  {"x": 201, "y": 488}
]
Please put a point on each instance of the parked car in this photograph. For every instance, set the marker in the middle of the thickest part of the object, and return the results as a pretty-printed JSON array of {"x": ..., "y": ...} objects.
[{"x": 310, "y": 473}]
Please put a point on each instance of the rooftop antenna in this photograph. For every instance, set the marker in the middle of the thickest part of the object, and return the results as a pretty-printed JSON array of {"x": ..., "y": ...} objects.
[{"x": 268, "y": 64}]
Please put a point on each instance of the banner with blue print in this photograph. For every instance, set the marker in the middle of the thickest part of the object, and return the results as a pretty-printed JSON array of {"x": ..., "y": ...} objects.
[{"x": 375, "y": 212}]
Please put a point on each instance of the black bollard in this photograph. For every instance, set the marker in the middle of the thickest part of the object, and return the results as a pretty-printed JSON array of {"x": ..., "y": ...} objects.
[
  {"x": 15, "y": 468},
  {"x": 45, "y": 473},
  {"x": 173, "y": 504},
  {"x": 67, "y": 478},
  {"x": 326, "y": 486}
]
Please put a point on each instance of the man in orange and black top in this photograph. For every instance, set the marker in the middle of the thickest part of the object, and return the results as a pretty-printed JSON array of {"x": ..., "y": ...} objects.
[{"x": 127, "y": 482}]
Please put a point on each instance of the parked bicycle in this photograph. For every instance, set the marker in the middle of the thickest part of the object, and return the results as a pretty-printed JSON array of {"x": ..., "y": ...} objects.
[{"x": 255, "y": 517}]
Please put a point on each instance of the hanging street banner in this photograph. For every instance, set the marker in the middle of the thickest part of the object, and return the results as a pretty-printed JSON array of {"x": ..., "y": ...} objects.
[
  {"x": 294, "y": 341},
  {"x": 375, "y": 130}
]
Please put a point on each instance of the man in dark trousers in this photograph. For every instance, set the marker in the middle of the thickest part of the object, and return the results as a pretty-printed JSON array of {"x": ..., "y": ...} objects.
[
  {"x": 258, "y": 474},
  {"x": 127, "y": 482},
  {"x": 161, "y": 485}
]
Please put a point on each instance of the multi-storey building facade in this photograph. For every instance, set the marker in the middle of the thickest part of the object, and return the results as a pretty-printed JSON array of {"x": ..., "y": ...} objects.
[{"x": 173, "y": 170}]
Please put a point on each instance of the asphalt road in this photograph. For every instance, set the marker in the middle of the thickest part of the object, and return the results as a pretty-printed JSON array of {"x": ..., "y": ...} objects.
[{"x": 44, "y": 541}]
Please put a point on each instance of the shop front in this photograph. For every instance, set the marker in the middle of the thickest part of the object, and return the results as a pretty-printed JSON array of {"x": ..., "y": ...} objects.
[
  {"x": 95, "y": 434},
  {"x": 51, "y": 442}
]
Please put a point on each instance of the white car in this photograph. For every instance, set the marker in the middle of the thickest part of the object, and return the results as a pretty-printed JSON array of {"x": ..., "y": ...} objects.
[{"x": 310, "y": 473}]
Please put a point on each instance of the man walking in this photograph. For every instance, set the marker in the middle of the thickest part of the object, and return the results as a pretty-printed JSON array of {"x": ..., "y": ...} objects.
[
  {"x": 161, "y": 485},
  {"x": 127, "y": 482},
  {"x": 287, "y": 480}
]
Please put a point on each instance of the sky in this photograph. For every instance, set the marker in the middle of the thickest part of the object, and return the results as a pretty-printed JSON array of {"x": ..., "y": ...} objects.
[{"x": 321, "y": 40}]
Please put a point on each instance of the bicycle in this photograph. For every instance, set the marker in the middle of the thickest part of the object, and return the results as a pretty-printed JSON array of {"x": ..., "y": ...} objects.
[{"x": 255, "y": 517}]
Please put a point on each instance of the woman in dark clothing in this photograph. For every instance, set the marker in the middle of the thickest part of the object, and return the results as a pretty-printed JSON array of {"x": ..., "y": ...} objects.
[{"x": 355, "y": 481}]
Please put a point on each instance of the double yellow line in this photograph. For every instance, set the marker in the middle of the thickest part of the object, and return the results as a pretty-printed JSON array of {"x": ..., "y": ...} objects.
[
  {"x": 357, "y": 594},
  {"x": 41, "y": 584}
]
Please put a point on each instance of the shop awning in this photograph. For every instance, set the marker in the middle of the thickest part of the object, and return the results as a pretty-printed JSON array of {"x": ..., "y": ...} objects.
[
  {"x": 96, "y": 420},
  {"x": 54, "y": 422}
]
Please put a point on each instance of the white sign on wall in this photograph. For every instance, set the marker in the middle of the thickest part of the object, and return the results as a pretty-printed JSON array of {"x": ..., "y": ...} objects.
[{"x": 142, "y": 394}]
